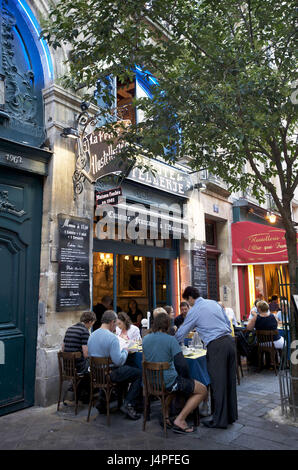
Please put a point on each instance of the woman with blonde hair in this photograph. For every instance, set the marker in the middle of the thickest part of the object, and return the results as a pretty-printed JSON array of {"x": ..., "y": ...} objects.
[{"x": 264, "y": 320}]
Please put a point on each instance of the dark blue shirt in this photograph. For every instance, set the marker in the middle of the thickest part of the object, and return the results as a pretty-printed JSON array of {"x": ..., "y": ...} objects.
[{"x": 267, "y": 323}]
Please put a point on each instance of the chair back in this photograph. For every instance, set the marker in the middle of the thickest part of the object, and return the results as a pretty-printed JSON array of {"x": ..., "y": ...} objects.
[
  {"x": 153, "y": 377},
  {"x": 100, "y": 369},
  {"x": 265, "y": 339},
  {"x": 67, "y": 364}
]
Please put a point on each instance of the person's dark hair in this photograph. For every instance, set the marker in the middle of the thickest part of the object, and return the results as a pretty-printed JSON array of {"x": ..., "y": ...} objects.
[
  {"x": 109, "y": 316},
  {"x": 88, "y": 316},
  {"x": 184, "y": 304},
  {"x": 161, "y": 323},
  {"x": 132, "y": 300},
  {"x": 274, "y": 297},
  {"x": 107, "y": 299},
  {"x": 191, "y": 292},
  {"x": 125, "y": 318}
]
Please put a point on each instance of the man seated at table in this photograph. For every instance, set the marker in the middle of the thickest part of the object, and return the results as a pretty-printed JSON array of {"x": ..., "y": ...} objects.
[
  {"x": 104, "y": 343},
  {"x": 158, "y": 346},
  {"x": 184, "y": 307},
  {"x": 76, "y": 339}
]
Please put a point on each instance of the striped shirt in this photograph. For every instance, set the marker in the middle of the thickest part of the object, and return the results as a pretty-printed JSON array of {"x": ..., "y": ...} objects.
[{"x": 77, "y": 336}]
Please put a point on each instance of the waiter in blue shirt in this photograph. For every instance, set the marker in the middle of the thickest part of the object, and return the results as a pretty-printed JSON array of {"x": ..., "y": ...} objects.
[{"x": 213, "y": 326}]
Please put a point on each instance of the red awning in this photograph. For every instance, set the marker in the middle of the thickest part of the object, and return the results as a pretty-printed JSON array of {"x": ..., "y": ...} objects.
[{"x": 256, "y": 243}]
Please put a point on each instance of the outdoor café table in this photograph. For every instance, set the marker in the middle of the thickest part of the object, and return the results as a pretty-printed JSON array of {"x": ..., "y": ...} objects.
[{"x": 197, "y": 364}]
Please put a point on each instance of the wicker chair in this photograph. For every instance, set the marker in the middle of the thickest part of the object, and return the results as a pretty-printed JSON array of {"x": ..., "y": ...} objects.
[
  {"x": 68, "y": 372},
  {"x": 265, "y": 344},
  {"x": 100, "y": 369}
]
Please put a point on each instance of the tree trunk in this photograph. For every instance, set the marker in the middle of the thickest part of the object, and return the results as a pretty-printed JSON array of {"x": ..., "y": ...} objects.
[{"x": 291, "y": 240}]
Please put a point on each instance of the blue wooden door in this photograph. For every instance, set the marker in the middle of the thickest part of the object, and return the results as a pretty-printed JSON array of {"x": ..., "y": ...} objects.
[{"x": 20, "y": 231}]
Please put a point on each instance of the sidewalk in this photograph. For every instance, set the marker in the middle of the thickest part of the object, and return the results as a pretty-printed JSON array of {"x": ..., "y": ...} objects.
[{"x": 46, "y": 429}]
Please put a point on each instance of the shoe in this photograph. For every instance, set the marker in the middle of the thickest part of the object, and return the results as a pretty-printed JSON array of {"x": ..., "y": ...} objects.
[
  {"x": 209, "y": 423},
  {"x": 130, "y": 411},
  {"x": 179, "y": 430}
]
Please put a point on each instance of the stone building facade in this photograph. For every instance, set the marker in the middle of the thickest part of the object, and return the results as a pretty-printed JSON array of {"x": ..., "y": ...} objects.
[{"x": 158, "y": 269}]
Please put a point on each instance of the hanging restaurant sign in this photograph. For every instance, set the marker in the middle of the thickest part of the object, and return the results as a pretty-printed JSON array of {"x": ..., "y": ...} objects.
[
  {"x": 99, "y": 153},
  {"x": 103, "y": 156}
]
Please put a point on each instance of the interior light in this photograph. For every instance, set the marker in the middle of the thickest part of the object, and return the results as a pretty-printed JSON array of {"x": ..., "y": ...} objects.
[
  {"x": 126, "y": 258},
  {"x": 164, "y": 286},
  {"x": 140, "y": 258},
  {"x": 102, "y": 256},
  {"x": 136, "y": 258}
]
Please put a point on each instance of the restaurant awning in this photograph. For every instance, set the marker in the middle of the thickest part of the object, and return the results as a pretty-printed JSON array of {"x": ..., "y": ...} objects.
[{"x": 258, "y": 244}]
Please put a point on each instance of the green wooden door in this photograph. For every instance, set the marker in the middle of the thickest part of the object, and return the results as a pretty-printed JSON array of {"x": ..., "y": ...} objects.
[{"x": 20, "y": 232}]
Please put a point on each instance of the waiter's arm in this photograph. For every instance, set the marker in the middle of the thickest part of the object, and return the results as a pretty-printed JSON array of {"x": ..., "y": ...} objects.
[{"x": 188, "y": 325}]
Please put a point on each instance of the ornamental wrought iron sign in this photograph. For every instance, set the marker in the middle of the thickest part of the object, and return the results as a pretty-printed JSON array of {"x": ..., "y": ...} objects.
[{"x": 99, "y": 152}]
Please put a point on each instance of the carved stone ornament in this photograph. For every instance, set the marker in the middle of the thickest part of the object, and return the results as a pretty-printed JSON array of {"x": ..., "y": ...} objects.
[
  {"x": 7, "y": 206},
  {"x": 21, "y": 99}
]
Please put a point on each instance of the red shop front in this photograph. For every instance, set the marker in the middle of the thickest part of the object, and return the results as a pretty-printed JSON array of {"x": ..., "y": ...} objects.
[{"x": 258, "y": 251}]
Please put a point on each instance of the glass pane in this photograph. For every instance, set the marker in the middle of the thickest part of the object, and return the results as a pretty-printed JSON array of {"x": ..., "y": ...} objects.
[
  {"x": 102, "y": 276},
  {"x": 132, "y": 280},
  {"x": 162, "y": 282}
]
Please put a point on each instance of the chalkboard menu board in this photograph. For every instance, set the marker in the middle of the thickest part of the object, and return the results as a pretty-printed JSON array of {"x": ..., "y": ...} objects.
[
  {"x": 199, "y": 269},
  {"x": 73, "y": 290}
]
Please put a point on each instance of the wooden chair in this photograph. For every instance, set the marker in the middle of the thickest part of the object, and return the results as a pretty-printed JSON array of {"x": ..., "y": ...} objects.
[
  {"x": 68, "y": 371},
  {"x": 265, "y": 344},
  {"x": 153, "y": 385},
  {"x": 100, "y": 370}
]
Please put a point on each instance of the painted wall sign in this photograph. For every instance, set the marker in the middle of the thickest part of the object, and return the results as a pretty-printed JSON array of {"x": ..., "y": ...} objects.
[
  {"x": 73, "y": 290},
  {"x": 257, "y": 243},
  {"x": 164, "y": 177},
  {"x": 21, "y": 161}
]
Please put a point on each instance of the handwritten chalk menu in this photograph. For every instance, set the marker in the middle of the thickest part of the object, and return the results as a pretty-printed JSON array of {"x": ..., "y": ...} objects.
[
  {"x": 199, "y": 269},
  {"x": 73, "y": 290}
]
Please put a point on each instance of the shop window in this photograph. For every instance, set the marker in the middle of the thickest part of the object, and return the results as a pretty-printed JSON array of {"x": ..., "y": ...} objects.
[{"x": 210, "y": 228}]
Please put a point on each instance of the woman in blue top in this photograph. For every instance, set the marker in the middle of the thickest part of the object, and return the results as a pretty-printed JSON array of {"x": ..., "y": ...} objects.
[
  {"x": 158, "y": 346},
  {"x": 264, "y": 320}
]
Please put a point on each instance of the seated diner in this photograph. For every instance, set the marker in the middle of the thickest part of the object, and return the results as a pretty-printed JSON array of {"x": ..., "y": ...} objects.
[{"x": 264, "y": 320}]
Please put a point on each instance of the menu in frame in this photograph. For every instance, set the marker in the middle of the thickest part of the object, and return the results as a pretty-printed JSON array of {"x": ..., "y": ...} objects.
[
  {"x": 199, "y": 269},
  {"x": 73, "y": 289}
]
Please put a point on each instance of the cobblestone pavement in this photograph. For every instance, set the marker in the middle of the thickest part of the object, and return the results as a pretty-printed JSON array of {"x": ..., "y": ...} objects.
[{"x": 46, "y": 429}]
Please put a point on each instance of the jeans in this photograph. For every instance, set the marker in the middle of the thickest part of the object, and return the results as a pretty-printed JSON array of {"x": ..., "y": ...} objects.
[{"x": 131, "y": 375}]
